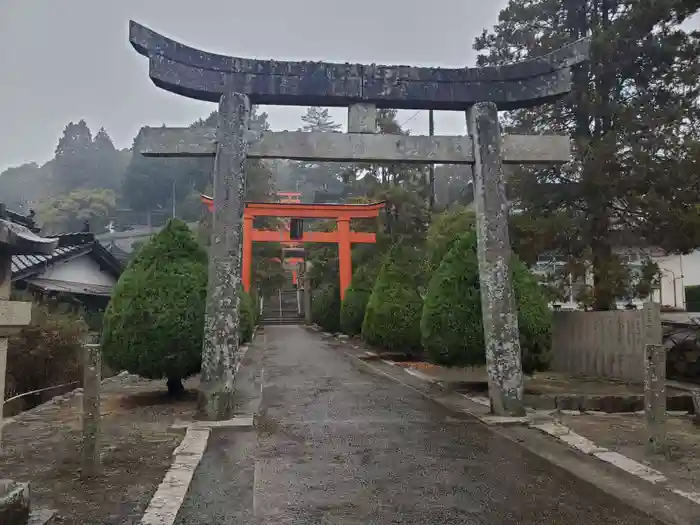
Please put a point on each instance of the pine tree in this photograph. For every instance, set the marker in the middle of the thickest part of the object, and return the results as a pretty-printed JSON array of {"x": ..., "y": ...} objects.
[
  {"x": 73, "y": 158},
  {"x": 634, "y": 115},
  {"x": 317, "y": 119}
]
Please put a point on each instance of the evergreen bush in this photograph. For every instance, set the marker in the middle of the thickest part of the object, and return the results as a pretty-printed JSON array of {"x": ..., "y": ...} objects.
[
  {"x": 325, "y": 307},
  {"x": 247, "y": 321},
  {"x": 154, "y": 323},
  {"x": 451, "y": 324},
  {"x": 352, "y": 310},
  {"x": 392, "y": 316}
]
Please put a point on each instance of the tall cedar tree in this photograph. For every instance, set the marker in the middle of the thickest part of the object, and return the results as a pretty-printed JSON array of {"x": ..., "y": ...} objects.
[{"x": 634, "y": 114}]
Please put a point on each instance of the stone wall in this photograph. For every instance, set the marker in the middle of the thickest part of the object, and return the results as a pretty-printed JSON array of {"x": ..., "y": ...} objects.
[{"x": 605, "y": 344}]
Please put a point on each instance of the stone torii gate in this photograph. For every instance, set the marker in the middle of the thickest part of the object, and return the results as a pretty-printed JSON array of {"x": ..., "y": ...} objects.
[{"x": 236, "y": 83}]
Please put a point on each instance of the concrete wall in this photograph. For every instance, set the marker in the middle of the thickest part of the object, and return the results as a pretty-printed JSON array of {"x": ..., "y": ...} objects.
[
  {"x": 604, "y": 344},
  {"x": 677, "y": 272}
]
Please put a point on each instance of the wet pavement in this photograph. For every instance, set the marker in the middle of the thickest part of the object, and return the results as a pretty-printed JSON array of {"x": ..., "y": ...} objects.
[{"x": 338, "y": 445}]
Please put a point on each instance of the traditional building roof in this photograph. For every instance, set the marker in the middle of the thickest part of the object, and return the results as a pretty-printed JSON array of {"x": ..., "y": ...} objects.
[
  {"x": 20, "y": 234},
  {"x": 70, "y": 245}
]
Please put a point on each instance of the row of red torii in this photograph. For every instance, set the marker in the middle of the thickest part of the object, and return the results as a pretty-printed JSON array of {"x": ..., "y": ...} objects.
[{"x": 344, "y": 237}]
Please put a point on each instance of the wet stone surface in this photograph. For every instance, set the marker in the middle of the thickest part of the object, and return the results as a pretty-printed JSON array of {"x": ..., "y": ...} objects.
[{"x": 336, "y": 444}]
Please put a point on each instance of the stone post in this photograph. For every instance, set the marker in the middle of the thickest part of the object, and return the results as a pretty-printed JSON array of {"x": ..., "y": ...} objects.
[
  {"x": 655, "y": 396},
  {"x": 5, "y": 284},
  {"x": 92, "y": 366},
  {"x": 221, "y": 322},
  {"x": 500, "y": 317}
]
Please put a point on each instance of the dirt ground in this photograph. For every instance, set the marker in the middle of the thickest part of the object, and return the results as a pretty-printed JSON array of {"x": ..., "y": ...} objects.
[
  {"x": 42, "y": 446},
  {"x": 626, "y": 434}
]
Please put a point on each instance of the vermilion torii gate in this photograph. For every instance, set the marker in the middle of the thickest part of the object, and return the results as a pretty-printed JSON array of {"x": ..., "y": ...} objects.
[
  {"x": 235, "y": 83},
  {"x": 343, "y": 236}
]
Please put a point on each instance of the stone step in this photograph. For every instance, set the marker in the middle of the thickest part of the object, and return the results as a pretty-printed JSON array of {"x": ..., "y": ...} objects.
[{"x": 282, "y": 320}]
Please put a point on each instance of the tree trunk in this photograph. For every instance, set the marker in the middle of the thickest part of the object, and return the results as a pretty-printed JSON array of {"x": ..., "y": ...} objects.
[
  {"x": 175, "y": 388},
  {"x": 604, "y": 284}
]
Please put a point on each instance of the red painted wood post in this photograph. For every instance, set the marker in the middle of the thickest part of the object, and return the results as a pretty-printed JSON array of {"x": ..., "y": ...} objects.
[
  {"x": 247, "y": 252},
  {"x": 344, "y": 254}
]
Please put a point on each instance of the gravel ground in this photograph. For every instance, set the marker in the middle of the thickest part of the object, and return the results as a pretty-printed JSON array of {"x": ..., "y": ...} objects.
[{"x": 42, "y": 446}]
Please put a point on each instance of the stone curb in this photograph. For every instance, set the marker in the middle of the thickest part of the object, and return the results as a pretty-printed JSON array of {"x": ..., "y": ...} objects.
[
  {"x": 588, "y": 447},
  {"x": 170, "y": 494},
  {"x": 544, "y": 422}
]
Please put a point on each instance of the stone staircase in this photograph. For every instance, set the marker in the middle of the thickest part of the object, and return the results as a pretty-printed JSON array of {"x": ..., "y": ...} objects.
[{"x": 282, "y": 309}]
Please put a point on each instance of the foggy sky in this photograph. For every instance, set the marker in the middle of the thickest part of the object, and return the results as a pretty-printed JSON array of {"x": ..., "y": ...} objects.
[{"x": 63, "y": 60}]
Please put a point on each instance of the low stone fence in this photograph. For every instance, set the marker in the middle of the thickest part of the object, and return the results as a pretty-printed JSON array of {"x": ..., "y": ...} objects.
[{"x": 605, "y": 344}]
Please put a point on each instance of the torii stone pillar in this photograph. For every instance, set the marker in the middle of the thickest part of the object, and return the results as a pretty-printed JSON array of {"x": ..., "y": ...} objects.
[
  {"x": 222, "y": 319},
  {"x": 499, "y": 311},
  {"x": 363, "y": 88}
]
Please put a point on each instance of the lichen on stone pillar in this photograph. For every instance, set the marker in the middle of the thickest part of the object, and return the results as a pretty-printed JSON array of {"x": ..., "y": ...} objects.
[
  {"x": 499, "y": 311},
  {"x": 219, "y": 353}
]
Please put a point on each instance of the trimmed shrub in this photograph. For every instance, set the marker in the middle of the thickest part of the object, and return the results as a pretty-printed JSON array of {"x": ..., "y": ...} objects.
[
  {"x": 246, "y": 317},
  {"x": 451, "y": 324},
  {"x": 444, "y": 231},
  {"x": 392, "y": 316},
  {"x": 325, "y": 307},
  {"x": 352, "y": 310},
  {"x": 154, "y": 323}
]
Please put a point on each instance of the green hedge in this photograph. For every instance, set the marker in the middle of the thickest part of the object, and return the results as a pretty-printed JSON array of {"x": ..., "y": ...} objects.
[
  {"x": 354, "y": 305},
  {"x": 451, "y": 323},
  {"x": 392, "y": 317},
  {"x": 325, "y": 307}
]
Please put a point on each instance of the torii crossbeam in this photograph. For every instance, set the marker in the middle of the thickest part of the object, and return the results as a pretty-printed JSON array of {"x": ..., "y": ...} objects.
[{"x": 235, "y": 83}]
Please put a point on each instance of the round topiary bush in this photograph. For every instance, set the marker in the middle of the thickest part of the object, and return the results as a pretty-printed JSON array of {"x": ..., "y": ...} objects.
[
  {"x": 392, "y": 316},
  {"x": 325, "y": 307},
  {"x": 352, "y": 310},
  {"x": 451, "y": 324}
]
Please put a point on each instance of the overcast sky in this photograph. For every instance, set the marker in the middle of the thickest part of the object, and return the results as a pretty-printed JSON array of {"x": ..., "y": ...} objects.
[{"x": 63, "y": 60}]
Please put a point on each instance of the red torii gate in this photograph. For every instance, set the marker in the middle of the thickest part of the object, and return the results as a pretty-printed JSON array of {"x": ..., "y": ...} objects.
[
  {"x": 343, "y": 236},
  {"x": 290, "y": 197}
]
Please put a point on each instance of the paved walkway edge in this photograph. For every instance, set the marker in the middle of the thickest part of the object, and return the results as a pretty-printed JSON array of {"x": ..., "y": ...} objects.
[
  {"x": 550, "y": 427},
  {"x": 168, "y": 498}
]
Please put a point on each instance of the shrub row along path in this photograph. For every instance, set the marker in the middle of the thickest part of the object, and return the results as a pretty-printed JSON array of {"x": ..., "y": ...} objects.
[{"x": 338, "y": 444}]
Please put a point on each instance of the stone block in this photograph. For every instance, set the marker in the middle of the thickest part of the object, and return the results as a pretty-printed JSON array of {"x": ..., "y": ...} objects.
[{"x": 14, "y": 502}]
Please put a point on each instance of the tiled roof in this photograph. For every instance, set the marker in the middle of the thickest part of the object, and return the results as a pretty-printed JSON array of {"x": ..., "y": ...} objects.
[
  {"x": 69, "y": 245},
  {"x": 24, "y": 262}
]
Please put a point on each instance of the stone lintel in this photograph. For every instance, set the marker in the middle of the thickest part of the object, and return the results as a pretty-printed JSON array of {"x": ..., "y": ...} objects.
[
  {"x": 197, "y": 74},
  {"x": 355, "y": 147}
]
